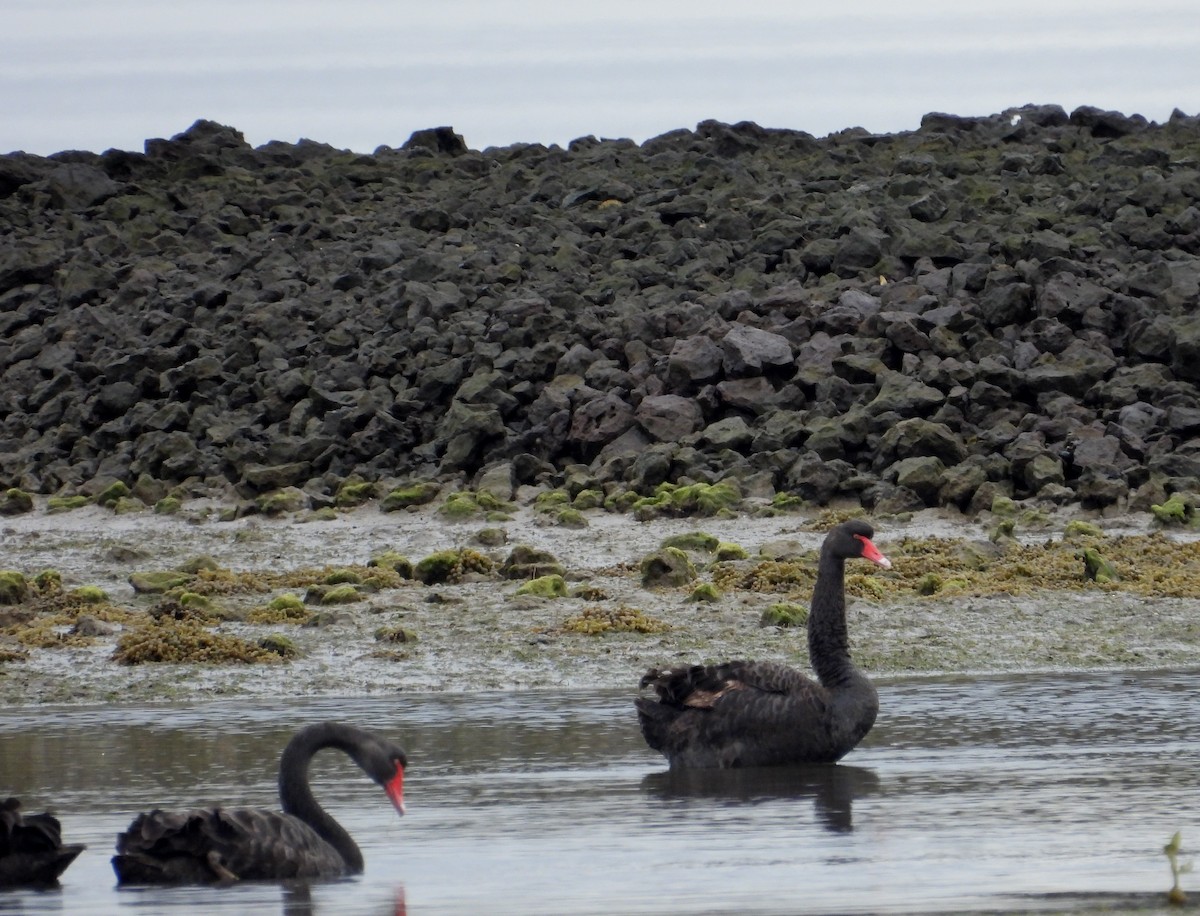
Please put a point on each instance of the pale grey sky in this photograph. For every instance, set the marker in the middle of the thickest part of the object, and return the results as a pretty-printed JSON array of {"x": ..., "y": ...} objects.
[{"x": 75, "y": 74}]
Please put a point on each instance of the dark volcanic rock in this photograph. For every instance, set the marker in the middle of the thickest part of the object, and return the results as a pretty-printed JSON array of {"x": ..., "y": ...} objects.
[{"x": 997, "y": 305}]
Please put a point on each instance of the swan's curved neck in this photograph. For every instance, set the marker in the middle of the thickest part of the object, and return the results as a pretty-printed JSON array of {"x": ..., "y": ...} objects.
[
  {"x": 296, "y": 796},
  {"x": 828, "y": 642}
]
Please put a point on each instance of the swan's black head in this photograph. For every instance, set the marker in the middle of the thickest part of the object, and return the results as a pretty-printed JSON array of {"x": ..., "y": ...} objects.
[
  {"x": 385, "y": 763},
  {"x": 853, "y": 539}
]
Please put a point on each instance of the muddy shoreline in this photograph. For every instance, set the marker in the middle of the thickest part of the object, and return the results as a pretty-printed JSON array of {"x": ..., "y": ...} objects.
[{"x": 479, "y": 635}]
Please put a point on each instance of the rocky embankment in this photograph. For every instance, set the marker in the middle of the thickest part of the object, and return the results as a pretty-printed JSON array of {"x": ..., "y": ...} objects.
[{"x": 985, "y": 306}]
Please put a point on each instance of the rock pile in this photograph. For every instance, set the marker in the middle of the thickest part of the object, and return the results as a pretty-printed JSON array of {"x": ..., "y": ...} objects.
[{"x": 983, "y": 306}]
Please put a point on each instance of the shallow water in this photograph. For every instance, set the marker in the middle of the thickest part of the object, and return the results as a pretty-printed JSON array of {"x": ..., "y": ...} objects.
[{"x": 1035, "y": 793}]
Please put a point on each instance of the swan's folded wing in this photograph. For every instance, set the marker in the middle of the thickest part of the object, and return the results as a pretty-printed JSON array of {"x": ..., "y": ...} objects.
[
  {"x": 221, "y": 844},
  {"x": 767, "y": 677}
]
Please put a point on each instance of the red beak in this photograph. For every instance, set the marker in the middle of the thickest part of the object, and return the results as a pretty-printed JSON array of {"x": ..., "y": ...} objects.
[
  {"x": 871, "y": 552},
  {"x": 395, "y": 788}
]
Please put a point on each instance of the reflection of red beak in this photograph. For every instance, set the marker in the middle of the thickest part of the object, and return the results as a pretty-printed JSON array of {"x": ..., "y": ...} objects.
[
  {"x": 871, "y": 552},
  {"x": 395, "y": 789}
]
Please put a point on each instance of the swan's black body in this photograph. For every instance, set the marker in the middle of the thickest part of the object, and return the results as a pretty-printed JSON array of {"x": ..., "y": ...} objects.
[
  {"x": 31, "y": 847},
  {"x": 745, "y": 713},
  {"x": 229, "y": 844}
]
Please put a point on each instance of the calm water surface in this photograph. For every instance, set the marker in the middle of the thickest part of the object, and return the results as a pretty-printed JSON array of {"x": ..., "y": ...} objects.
[{"x": 1034, "y": 793}]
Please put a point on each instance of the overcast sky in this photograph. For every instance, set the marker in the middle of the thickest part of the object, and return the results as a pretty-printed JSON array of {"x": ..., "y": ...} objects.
[{"x": 78, "y": 74}]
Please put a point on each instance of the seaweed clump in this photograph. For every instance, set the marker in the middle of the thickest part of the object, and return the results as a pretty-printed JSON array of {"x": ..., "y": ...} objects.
[
  {"x": 452, "y": 565},
  {"x": 166, "y": 640},
  {"x": 597, "y": 621}
]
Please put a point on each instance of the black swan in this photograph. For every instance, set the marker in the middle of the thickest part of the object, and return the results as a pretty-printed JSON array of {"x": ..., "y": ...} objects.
[
  {"x": 31, "y": 847},
  {"x": 229, "y": 844},
  {"x": 745, "y": 713}
]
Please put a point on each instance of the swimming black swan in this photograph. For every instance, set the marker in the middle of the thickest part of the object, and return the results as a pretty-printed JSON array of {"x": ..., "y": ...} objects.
[
  {"x": 764, "y": 714},
  {"x": 230, "y": 844},
  {"x": 31, "y": 848}
]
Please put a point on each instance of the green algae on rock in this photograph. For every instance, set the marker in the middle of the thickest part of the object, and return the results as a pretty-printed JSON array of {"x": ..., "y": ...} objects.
[
  {"x": 525, "y": 562},
  {"x": 15, "y": 501},
  {"x": 705, "y": 592},
  {"x": 552, "y": 586},
  {"x": 669, "y": 567},
  {"x": 14, "y": 588}
]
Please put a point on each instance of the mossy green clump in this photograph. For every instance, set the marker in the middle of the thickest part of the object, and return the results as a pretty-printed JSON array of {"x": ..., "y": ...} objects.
[
  {"x": 127, "y": 506},
  {"x": 112, "y": 493},
  {"x": 14, "y": 587},
  {"x": 324, "y": 514},
  {"x": 343, "y": 576},
  {"x": 1004, "y": 506},
  {"x": 588, "y": 499},
  {"x": 1175, "y": 512},
  {"x": 597, "y": 621},
  {"x": 692, "y": 540},
  {"x": 490, "y": 537},
  {"x": 353, "y": 491},
  {"x": 570, "y": 517},
  {"x": 705, "y": 592},
  {"x": 1077, "y": 528},
  {"x": 395, "y": 635},
  {"x": 15, "y": 501},
  {"x": 524, "y": 562},
  {"x": 196, "y": 601},
  {"x": 702, "y": 499},
  {"x": 460, "y": 507},
  {"x": 669, "y": 567},
  {"x": 491, "y": 503},
  {"x": 787, "y": 502},
  {"x": 157, "y": 583},
  {"x": 621, "y": 501},
  {"x": 285, "y": 608},
  {"x": 168, "y": 505},
  {"x": 1096, "y": 568},
  {"x": 48, "y": 581},
  {"x": 278, "y": 644},
  {"x": 551, "y": 501},
  {"x": 451, "y": 566},
  {"x": 346, "y": 593},
  {"x": 930, "y": 584},
  {"x": 727, "y": 552},
  {"x": 282, "y": 501},
  {"x": 67, "y": 503},
  {"x": 413, "y": 494},
  {"x": 784, "y": 614},
  {"x": 286, "y": 602},
  {"x": 90, "y": 594},
  {"x": 397, "y": 562},
  {"x": 1003, "y": 531},
  {"x": 167, "y": 640},
  {"x": 545, "y": 587}
]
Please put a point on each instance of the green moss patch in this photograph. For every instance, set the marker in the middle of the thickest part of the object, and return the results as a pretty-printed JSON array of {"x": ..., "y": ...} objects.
[
  {"x": 784, "y": 614},
  {"x": 545, "y": 587}
]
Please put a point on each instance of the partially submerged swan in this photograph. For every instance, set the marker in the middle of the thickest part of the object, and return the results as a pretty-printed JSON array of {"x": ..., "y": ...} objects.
[
  {"x": 229, "y": 844},
  {"x": 745, "y": 713},
  {"x": 31, "y": 847}
]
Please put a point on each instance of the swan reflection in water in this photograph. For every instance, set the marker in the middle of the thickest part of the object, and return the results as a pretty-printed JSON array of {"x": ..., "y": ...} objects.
[{"x": 832, "y": 787}]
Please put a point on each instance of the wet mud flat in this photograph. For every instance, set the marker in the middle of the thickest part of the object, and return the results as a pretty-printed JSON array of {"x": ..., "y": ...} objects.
[{"x": 475, "y": 632}]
